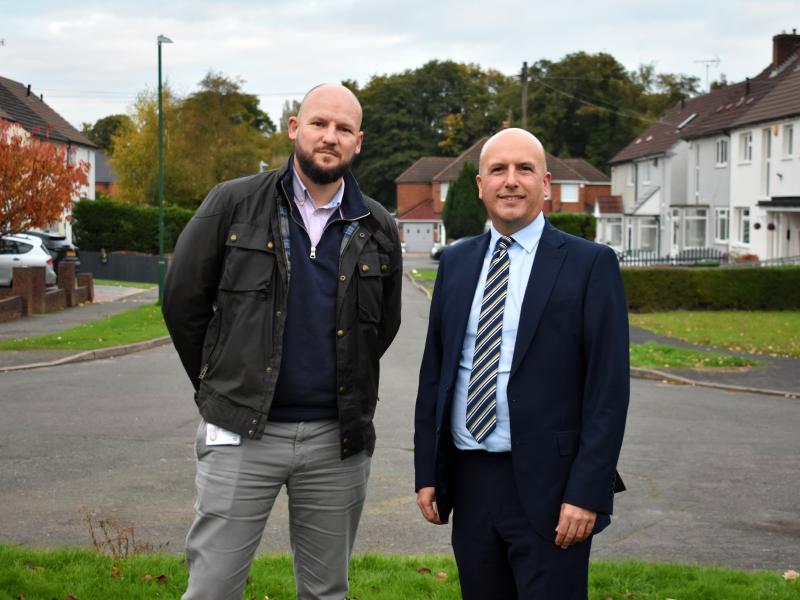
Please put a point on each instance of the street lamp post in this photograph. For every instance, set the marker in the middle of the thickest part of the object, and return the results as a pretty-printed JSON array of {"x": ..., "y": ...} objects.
[{"x": 162, "y": 39}]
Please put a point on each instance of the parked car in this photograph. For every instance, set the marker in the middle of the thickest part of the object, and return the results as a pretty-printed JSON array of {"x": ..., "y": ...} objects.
[
  {"x": 59, "y": 248},
  {"x": 21, "y": 250},
  {"x": 438, "y": 247}
]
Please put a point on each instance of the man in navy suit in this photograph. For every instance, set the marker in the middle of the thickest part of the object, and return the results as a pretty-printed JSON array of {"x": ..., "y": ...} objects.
[{"x": 523, "y": 390}]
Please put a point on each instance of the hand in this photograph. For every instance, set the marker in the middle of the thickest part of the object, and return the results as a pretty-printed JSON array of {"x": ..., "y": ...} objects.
[
  {"x": 426, "y": 500},
  {"x": 575, "y": 524}
]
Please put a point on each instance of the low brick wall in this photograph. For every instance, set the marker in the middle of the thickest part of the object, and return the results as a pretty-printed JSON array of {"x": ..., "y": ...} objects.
[
  {"x": 11, "y": 308},
  {"x": 55, "y": 300}
]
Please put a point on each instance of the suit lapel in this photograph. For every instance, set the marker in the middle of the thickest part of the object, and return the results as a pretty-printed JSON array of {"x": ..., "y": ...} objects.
[
  {"x": 546, "y": 266},
  {"x": 459, "y": 300}
]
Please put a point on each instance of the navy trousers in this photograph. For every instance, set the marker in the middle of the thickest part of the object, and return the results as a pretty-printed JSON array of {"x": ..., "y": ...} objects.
[{"x": 498, "y": 553}]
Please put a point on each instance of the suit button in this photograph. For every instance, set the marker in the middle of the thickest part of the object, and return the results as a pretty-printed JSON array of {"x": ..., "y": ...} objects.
[
  {"x": 384, "y": 268},
  {"x": 340, "y": 333},
  {"x": 361, "y": 235},
  {"x": 365, "y": 268},
  {"x": 269, "y": 369},
  {"x": 342, "y": 277},
  {"x": 233, "y": 237},
  {"x": 270, "y": 245}
]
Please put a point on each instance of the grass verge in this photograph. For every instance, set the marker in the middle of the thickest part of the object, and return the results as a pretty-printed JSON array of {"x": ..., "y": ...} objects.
[
  {"x": 425, "y": 277},
  {"x": 86, "y": 575},
  {"x": 652, "y": 355},
  {"x": 130, "y": 284},
  {"x": 137, "y": 325},
  {"x": 776, "y": 333}
]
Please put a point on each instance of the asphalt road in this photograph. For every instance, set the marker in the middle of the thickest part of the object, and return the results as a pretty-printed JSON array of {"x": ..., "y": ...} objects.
[{"x": 712, "y": 475}]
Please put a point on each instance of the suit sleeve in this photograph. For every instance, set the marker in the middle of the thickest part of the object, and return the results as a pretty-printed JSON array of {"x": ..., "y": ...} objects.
[
  {"x": 191, "y": 284},
  {"x": 606, "y": 389},
  {"x": 425, "y": 433}
]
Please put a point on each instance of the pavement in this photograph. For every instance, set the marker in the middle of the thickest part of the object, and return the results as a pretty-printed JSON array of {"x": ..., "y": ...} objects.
[{"x": 776, "y": 376}]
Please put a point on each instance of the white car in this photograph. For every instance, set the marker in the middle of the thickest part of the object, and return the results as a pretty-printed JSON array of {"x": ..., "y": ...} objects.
[{"x": 20, "y": 250}]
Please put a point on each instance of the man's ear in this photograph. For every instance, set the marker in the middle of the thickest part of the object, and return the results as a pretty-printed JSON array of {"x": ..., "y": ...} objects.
[
  {"x": 480, "y": 189},
  {"x": 292, "y": 127},
  {"x": 359, "y": 141}
]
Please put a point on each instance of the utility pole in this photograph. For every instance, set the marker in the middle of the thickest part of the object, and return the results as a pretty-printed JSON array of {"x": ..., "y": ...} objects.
[
  {"x": 524, "y": 123},
  {"x": 708, "y": 62}
]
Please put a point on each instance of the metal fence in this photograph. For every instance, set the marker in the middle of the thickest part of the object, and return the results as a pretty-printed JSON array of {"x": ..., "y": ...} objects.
[{"x": 695, "y": 257}]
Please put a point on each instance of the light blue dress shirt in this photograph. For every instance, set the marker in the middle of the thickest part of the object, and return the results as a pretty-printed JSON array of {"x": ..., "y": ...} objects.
[{"x": 521, "y": 254}]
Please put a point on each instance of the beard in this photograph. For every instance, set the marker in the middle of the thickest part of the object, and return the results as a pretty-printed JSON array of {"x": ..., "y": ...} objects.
[{"x": 317, "y": 174}]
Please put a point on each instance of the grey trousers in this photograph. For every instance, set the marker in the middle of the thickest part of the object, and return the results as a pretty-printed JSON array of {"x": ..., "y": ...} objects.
[{"x": 236, "y": 488}]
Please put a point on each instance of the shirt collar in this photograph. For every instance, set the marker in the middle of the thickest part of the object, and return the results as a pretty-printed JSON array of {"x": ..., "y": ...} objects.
[
  {"x": 301, "y": 193},
  {"x": 527, "y": 237}
]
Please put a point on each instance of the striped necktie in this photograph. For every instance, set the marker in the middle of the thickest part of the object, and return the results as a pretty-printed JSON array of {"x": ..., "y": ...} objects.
[{"x": 482, "y": 391}]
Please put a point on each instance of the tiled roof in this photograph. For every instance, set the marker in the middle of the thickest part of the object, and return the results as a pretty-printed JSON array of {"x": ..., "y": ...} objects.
[
  {"x": 783, "y": 100},
  {"x": 586, "y": 170},
  {"x": 424, "y": 169},
  {"x": 35, "y": 116},
  {"x": 719, "y": 110},
  {"x": 610, "y": 204},
  {"x": 560, "y": 169},
  {"x": 471, "y": 155},
  {"x": 421, "y": 212}
]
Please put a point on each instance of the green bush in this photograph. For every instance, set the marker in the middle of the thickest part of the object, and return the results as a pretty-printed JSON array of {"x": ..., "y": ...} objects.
[
  {"x": 751, "y": 288},
  {"x": 581, "y": 224},
  {"x": 464, "y": 213},
  {"x": 117, "y": 226}
]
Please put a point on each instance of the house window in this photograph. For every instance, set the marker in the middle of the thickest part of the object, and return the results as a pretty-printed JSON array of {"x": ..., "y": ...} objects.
[
  {"x": 612, "y": 231},
  {"x": 722, "y": 152},
  {"x": 645, "y": 166},
  {"x": 697, "y": 171},
  {"x": 443, "y": 187},
  {"x": 766, "y": 154},
  {"x": 631, "y": 174},
  {"x": 788, "y": 140},
  {"x": 569, "y": 192},
  {"x": 648, "y": 234},
  {"x": 744, "y": 225},
  {"x": 695, "y": 221},
  {"x": 746, "y": 146},
  {"x": 721, "y": 224}
]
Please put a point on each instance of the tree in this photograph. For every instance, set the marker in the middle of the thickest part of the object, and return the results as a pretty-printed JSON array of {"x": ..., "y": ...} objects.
[
  {"x": 37, "y": 182},
  {"x": 103, "y": 130},
  {"x": 464, "y": 213},
  {"x": 214, "y": 134},
  {"x": 290, "y": 109}
]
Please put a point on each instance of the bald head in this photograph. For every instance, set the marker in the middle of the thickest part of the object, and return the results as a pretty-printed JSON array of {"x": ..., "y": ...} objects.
[
  {"x": 518, "y": 137},
  {"x": 334, "y": 95},
  {"x": 513, "y": 181}
]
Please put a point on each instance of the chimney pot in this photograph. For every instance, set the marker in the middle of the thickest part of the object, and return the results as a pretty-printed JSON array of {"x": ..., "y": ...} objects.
[{"x": 29, "y": 90}]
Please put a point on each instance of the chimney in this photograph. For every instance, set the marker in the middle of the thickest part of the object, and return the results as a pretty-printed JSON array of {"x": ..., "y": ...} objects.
[
  {"x": 746, "y": 86},
  {"x": 29, "y": 90},
  {"x": 783, "y": 46}
]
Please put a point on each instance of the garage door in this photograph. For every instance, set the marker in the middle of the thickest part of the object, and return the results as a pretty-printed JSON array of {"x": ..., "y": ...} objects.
[{"x": 418, "y": 236}]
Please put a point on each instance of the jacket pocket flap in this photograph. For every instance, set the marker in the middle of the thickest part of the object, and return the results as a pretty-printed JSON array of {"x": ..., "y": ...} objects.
[
  {"x": 568, "y": 442},
  {"x": 249, "y": 237},
  {"x": 369, "y": 265}
]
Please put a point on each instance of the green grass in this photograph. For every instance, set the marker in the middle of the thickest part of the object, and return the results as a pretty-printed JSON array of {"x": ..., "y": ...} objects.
[
  {"x": 655, "y": 356},
  {"x": 758, "y": 332},
  {"x": 425, "y": 277},
  {"x": 137, "y": 325},
  {"x": 132, "y": 284},
  {"x": 86, "y": 575}
]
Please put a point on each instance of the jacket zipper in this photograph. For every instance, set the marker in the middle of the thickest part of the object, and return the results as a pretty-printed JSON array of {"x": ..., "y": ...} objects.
[{"x": 204, "y": 370}]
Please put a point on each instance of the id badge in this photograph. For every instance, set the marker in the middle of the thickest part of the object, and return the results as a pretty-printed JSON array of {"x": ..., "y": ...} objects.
[{"x": 217, "y": 436}]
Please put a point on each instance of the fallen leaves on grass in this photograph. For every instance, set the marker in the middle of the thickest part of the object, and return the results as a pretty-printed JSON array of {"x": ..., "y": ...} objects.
[
  {"x": 441, "y": 576},
  {"x": 160, "y": 579},
  {"x": 424, "y": 570},
  {"x": 116, "y": 571},
  {"x": 791, "y": 575}
]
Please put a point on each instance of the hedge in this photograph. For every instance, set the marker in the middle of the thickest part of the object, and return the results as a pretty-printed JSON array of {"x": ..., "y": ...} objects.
[
  {"x": 581, "y": 224},
  {"x": 118, "y": 226},
  {"x": 745, "y": 288}
]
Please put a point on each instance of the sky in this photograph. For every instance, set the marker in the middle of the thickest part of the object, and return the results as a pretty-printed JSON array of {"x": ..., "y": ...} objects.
[{"x": 90, "y": 59}]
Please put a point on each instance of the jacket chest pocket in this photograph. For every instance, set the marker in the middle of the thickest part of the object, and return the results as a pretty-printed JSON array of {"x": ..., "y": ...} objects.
[
  {"x": 250, "y": 261},
  {"x": 372, "y": 268}
]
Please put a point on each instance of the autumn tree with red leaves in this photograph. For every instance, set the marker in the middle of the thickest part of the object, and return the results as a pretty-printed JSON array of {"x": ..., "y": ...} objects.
[{"x": 37, "y": 183}]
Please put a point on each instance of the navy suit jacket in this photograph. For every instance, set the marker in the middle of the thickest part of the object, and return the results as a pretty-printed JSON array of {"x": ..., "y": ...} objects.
[{"x": 569, "y": 383}]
